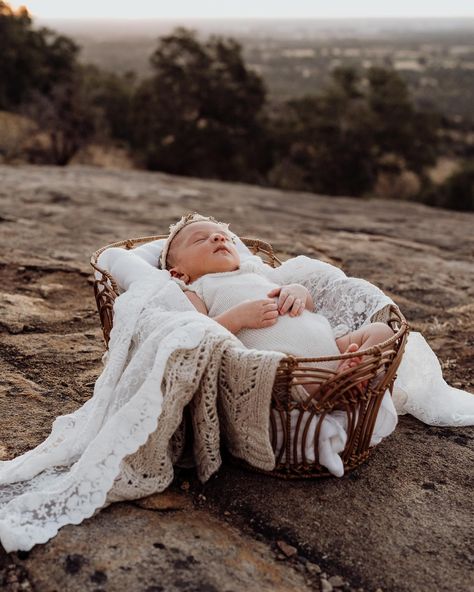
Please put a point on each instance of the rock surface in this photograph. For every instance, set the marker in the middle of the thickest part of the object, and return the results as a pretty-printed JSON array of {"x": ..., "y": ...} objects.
[{"x": 401, "y": 522}]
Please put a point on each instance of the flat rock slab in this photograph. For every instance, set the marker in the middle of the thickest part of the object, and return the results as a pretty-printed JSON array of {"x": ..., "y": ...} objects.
[
  {"x": 401, "y": 522},
  {"x": 128, "y": 548}
]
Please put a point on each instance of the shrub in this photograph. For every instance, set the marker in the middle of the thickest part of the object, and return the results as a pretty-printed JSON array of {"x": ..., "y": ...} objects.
[{"x": 199, "y": 113}]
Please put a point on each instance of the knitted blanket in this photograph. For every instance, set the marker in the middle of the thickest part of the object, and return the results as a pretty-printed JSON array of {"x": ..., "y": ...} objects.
[{"x": 228, "y": 390}]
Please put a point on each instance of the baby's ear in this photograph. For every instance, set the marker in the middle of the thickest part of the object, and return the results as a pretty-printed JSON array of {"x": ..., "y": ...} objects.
[{"x": 174, "y": 271}]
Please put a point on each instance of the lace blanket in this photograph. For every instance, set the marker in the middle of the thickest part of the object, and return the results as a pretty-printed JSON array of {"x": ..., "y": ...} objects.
[
  {"x": 158, "y": 362},
  {"x": 122, "y": 443}
]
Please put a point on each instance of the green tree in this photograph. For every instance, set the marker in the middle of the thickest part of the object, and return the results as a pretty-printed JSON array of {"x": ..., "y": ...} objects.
[
  {"x": 455, "y": 193},
  {"x": 398, "y": 127},
  {"x": 200, "y": 113},
  {"x": 339, "y": 139},
  {"x": 329, "y": 137},
  {"x": 30, "y": 60},
  {"x": 67, "y": 116},
  {"x": 112, "y": 94},
  {"x": 40, "y": 77},
  {"x": 458, "y": 190}
]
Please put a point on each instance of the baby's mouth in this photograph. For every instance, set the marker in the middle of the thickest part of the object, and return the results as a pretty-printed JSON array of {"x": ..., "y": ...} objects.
[{"x": 222, "y": 248}]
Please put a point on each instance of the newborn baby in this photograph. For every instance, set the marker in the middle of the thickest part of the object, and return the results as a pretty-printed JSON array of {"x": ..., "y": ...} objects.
[{"x": 201, "y": 256}]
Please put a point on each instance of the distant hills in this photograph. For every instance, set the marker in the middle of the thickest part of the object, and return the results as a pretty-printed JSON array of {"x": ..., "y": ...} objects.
[
  {"x": 295, "y": 57},
  {"x": 281, "y": 28}
]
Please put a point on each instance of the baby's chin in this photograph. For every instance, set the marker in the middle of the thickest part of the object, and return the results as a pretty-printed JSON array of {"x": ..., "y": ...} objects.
[
  {"x": 225, "y": 265},
  {"x": 228, "y": 267}
]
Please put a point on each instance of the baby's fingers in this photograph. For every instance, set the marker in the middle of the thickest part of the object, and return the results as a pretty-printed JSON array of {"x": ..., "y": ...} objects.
[
  {"x": 269, "y": 318},
  {"x": 270, "y": 305},
  {"x": 297, "y": 308},
  {"x": 287, "y": 304},
  {"x": 270, "y": 314},
  {"x": 274, "y": 292}
]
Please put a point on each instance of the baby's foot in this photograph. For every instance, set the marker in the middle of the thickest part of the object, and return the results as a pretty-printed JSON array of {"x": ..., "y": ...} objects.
[
  {"x": 351, "y": 363},
  {"x": 300, "y": 393}
]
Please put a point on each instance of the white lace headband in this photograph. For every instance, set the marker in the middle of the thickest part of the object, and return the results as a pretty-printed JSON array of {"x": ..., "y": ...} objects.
[{"x": 175, "y": 228}]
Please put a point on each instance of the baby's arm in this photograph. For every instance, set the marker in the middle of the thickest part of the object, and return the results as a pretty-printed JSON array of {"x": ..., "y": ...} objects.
[
  {"x": 226, "y": 319},
  {"x": 197, "y": 302},
  {"x": 253, "y": 314}
]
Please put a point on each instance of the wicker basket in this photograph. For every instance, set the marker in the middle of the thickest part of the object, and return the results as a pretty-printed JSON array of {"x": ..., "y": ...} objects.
[{"x": 337, "y": 391}]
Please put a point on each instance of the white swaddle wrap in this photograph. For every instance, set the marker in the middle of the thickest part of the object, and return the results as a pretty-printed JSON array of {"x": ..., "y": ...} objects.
[
  {"x": 308, "y": 335},
  {"x": 332, "y": 436}
]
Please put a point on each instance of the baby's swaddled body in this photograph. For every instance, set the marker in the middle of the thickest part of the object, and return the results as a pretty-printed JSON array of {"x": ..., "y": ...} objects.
[{"x": 306, "y": 335}]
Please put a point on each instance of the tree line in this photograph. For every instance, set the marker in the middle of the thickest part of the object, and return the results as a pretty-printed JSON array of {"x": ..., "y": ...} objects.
[{"x": 202, "y": 112}]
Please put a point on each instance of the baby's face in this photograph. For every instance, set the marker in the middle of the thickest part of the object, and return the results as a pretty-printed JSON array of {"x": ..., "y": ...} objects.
[{"x": 200, "y": 248}]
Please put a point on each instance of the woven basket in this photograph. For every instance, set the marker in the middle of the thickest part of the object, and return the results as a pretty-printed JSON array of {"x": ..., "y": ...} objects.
[{"x": 337, "y": 391}]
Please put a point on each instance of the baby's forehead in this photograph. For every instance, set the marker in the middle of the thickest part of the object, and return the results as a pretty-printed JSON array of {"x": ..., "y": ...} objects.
[{"x": 197, "y": 227}]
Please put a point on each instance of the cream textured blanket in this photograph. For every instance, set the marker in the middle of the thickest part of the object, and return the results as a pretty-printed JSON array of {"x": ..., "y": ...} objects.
[{"x": 228, "y": 390}]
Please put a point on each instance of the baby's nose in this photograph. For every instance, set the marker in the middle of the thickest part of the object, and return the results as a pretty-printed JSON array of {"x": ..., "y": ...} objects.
[{"x": 217, "y": 236}]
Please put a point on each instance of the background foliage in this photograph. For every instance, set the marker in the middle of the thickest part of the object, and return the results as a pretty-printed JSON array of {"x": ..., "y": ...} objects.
[{"x": 203, "y": 112}]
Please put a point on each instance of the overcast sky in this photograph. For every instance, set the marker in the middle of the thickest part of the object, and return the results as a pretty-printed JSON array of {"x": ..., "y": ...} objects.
[{"x": 248, "y": 8}]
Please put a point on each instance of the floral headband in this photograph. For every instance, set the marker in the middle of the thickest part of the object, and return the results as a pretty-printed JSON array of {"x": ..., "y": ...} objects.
[{"x": 175, "y": 228}]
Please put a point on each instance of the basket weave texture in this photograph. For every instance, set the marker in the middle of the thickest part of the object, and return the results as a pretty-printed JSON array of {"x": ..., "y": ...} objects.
[{"x": 341, "y": 391}]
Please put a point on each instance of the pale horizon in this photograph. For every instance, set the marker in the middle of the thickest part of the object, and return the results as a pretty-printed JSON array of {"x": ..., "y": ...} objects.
[{"x": 247, "y": 9}]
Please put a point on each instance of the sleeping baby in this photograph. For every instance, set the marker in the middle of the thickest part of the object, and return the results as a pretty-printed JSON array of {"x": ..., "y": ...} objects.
[{"x": 201, "y": 256}]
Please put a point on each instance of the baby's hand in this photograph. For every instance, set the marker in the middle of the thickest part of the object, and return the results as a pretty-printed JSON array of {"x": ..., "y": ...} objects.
[
  {"x": 291, "y": 298},
  {"x": 256, "y": 314}
]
